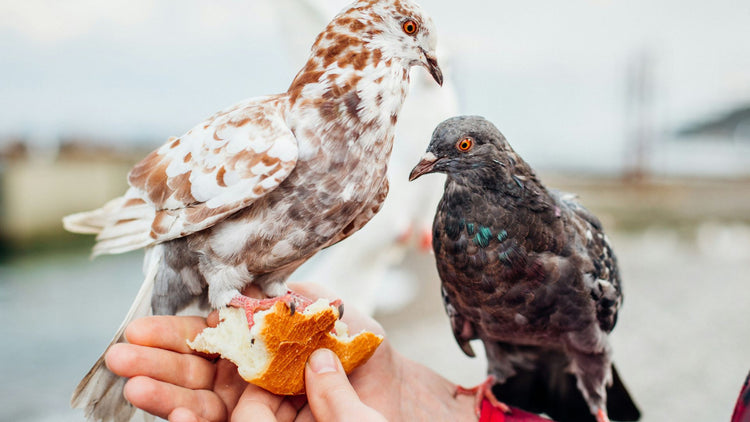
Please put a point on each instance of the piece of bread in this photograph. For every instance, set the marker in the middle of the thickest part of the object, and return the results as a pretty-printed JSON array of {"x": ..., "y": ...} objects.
[{"x": 273, "y": 353}]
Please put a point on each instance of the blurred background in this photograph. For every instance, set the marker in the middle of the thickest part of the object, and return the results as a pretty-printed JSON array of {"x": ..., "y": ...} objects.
[{"x": 640, "y": 107}]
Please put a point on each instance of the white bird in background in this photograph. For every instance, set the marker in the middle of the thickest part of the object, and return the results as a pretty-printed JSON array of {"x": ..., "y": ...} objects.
[{"x": 376, "y": 256}]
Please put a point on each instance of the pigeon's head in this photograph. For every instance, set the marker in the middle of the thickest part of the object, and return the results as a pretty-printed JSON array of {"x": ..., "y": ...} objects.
[
  {"x": 400, "y": 30},
  {"x": 465, "y": 144}
]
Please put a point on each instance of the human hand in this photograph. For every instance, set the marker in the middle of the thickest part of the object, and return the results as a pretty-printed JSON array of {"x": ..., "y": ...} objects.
[
  {"x": 165, "y": 374},
  {"x": 329, "y": 394},
  {"x": 171, "y": 381}
]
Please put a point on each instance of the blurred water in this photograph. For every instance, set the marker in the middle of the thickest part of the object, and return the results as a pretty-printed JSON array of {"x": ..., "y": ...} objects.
[
  {"x": 681, "y": 342},
  {"x": 58, "y": 313}
]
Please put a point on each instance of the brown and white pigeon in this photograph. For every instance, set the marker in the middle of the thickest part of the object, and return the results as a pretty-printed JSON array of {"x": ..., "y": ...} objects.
[
  {"x": 530, "y": 273},
  {"x": 248, "y": 195},
  {"x": 379, "y": 257}
]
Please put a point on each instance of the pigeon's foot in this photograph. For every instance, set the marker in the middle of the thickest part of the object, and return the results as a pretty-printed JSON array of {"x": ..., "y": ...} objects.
[
  {"x": 601, "y": 416},
  {"x": 482, "y": 391},
  {"x": 251, "y": 305},
  {"x": 295, "y": 302},
  {"x": 338, "y": 303},
  {"x": 299, "y": 303}
]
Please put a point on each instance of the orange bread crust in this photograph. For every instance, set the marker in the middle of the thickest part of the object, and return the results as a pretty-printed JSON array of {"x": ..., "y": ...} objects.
[{"x": 290, "y": 340}]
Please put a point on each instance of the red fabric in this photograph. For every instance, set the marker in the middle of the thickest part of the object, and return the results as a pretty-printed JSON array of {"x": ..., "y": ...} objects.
[
  {"x": 742, "y": 408},
  {"x": 492, "y": 414}
]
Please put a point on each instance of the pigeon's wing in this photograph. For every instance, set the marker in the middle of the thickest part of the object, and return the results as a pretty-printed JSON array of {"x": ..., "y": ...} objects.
[
  {"x": 463, "y": 329},
  {"x": 365, "y": 216},
  {"x": 190, "y": 183},
  {"x": 601, "y": 277},
  {"x": 570, "y": 201}
]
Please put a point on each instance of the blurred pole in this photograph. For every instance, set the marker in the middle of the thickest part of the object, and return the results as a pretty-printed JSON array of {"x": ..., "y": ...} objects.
[{"x": 639, "y": 116}]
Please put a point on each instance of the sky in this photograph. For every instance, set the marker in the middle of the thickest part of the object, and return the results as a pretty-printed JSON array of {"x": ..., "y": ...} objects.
[{"x": 551, "y": 75}]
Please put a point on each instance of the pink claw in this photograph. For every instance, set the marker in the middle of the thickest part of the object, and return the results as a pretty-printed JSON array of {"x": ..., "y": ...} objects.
[
  {"x": 295, "y": 302},
  {"x": 481, "y": 391},
  {"x": 251, "y": 305}
]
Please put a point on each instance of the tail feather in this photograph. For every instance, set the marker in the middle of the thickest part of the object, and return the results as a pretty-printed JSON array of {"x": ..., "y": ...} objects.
[
  {"x": 121, "y": 244},
  {"x": 123, "y": 230},
  {"x": 100, "y": 391},
  {"x": 619, "y": 402},
  {"x": 550, "y": 388},
  {"x": 92, "y": 222},
  {"x": 119, "y": 226},
  {"x": 100, "y": 395}
]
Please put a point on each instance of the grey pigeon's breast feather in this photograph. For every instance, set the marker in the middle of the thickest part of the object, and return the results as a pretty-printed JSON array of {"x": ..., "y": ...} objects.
[{"x": 516, "y": 271}]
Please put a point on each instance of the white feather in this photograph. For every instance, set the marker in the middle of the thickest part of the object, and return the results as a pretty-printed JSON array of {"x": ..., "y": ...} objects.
[
  {"x": 92, "y": 222},
  {"x": 121, "y": 244},
  {"x": 283, "y": 151},
  {"x": 230, "y": 234}
]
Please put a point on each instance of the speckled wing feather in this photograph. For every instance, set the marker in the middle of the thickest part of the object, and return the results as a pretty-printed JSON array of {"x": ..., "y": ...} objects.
[
  {"x": 601, "y": 275},
  {"x": 191, "y": 182},
  {"x": 463, "y": 329}
]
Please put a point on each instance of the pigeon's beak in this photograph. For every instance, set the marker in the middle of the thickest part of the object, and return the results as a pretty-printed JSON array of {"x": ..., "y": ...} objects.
[
  {"x": 432, "y": 66},
  {"x": 424, "y": 166}
]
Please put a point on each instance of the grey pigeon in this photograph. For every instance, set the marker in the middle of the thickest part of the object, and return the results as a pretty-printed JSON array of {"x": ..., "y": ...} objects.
[
  {"x": 528, "y": 271},
  {"x": 251, "y": 193}
]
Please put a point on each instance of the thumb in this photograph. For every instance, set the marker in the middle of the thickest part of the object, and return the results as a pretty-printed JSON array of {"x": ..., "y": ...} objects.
[{"x": 329, "y": 393}]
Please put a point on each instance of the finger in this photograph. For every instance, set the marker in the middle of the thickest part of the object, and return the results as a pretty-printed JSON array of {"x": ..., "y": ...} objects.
[
  {"x": 213, "y": 319},
  {"x": 189, "y": 371},
  {"x": 165, "y": 332},
  {"x": 305, "y": 415},
  {"x": 256, "y": 404},
  {"x": 298, "y": 402},
  {"x": 182, "y": 414},
  {"x": 287, "y": 411},
  {"x": 329, "y": 392},
  {"x": 161, "y": 399},
  {"x": 228, "y": 384}
]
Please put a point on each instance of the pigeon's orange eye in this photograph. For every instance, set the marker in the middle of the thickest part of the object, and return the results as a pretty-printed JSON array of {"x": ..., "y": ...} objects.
[
  {"x": 465, "y": 144},
  {"x": 410, "y": 27}
]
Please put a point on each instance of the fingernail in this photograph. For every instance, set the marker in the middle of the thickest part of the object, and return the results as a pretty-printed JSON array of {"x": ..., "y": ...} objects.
[{"x": 323, "y": 361}]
